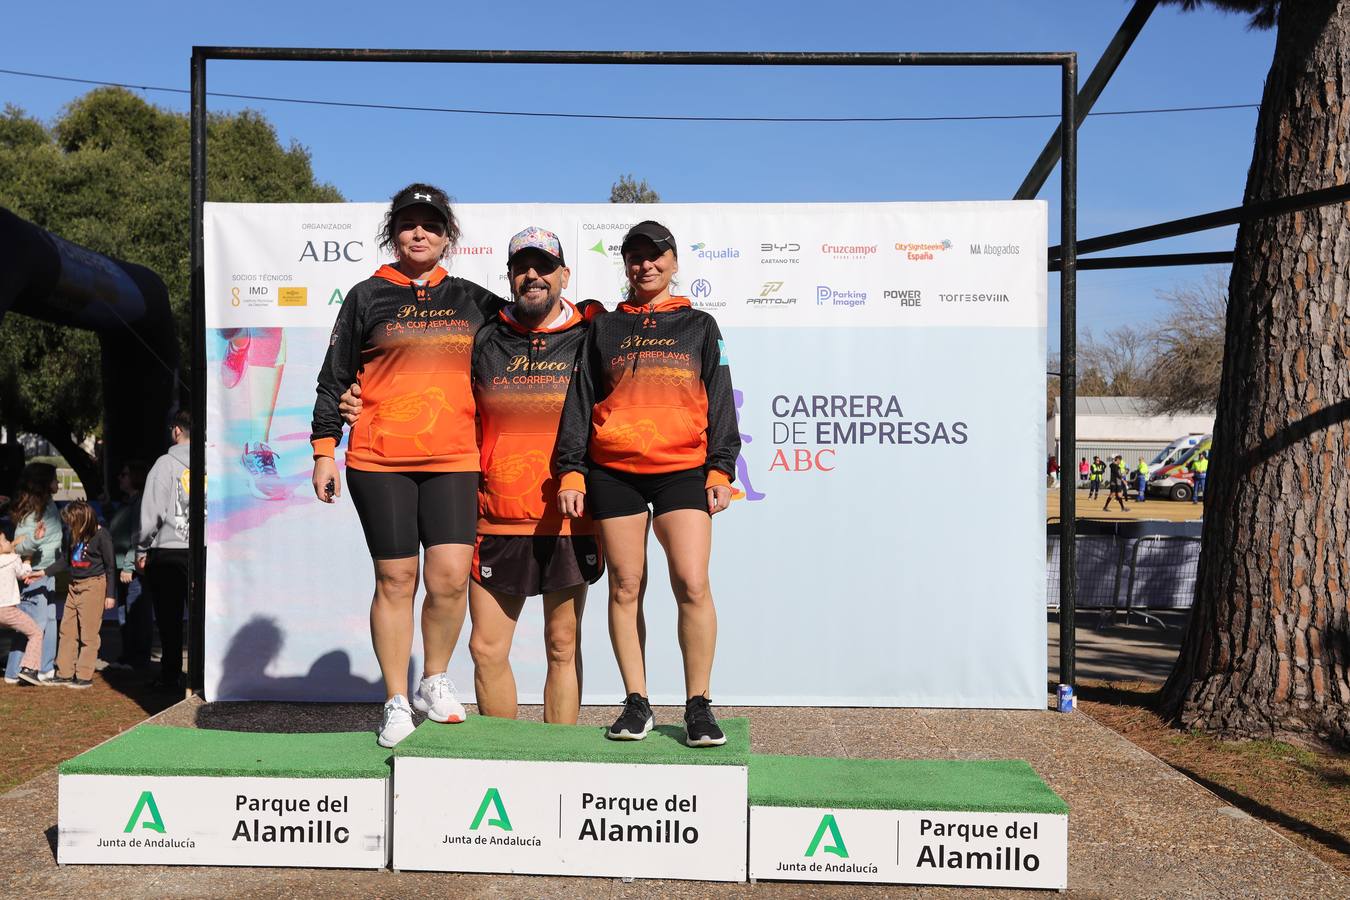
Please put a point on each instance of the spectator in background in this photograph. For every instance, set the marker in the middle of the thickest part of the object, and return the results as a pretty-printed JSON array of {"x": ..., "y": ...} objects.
[
  {"x": 137, "y": 620},
  {"x": 1200, "y": 468},
  {"x": 162, "y": 549},
  {"x": 1083, "y": 472},
  {"x": 1052, "y": 469},
  {"x": 37, "y": 533},
  {"x": 1141, "y": 477},
  {"x": 1095, "y": 477},
  {"x": 13, "y": 569},
  {"x": 92, "y": 591}
]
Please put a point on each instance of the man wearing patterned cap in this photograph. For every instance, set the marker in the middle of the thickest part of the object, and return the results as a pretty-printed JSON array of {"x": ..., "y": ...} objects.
[{"x": 522, "y": 365}]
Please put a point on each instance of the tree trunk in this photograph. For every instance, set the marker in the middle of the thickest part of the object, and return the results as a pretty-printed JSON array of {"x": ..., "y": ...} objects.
[
  {"x": 85, "y": 466},
  {"x": 1269, "y": 641}
]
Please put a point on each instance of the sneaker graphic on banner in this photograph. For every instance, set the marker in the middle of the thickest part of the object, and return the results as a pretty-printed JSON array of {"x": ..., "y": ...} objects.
[
  {"x": 236, "y": 359},
  {"x": 260, "y": 462}
]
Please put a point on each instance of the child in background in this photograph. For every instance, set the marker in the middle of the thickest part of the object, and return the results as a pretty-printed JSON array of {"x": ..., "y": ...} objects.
[
  {"x": 12, "y": 569},
  {"x": 92, "y": 564}
]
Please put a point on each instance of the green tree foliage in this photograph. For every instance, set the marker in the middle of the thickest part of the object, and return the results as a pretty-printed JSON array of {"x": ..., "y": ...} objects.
[
  {"x": 626, "y": 190},
  {"x": 112, "y": 174}
]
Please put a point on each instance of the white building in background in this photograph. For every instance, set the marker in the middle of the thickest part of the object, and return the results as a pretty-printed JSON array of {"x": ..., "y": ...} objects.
[{"x": 1110, "y": 425}]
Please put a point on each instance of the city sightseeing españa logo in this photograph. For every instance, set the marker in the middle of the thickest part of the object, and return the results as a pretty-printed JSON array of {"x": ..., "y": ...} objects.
[{"x": 919, "y": 251}]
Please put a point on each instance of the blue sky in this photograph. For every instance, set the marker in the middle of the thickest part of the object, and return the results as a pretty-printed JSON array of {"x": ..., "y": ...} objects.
[{"x": 1134, "y": 170}]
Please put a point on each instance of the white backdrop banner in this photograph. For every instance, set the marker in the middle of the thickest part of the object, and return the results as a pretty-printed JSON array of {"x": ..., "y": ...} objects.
[{"x": 886, "y": 544}]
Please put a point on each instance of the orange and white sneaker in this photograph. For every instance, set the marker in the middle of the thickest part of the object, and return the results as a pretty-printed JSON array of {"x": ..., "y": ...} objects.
[{"x": 435, "y": 696}]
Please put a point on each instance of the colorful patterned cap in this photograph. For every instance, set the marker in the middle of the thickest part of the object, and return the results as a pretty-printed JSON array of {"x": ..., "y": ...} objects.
[{"x": 537, "y": 238}]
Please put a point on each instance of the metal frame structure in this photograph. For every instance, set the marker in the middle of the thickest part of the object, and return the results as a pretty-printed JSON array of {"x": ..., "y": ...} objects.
[{"x": 1064, "y": 149}]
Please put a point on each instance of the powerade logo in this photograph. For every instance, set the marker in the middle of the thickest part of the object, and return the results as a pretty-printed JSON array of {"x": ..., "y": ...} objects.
[
  {"x": 827, "y": 296},
  {"x": 703, "y": 251},
  {"x": 904, "y": 297}
]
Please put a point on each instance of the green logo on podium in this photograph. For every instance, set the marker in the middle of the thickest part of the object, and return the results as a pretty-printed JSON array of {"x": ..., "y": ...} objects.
[
  {"x": 836, "y": 845},
  {"x": 147, "y": 802},
  {"x": 493, "y": 797}
]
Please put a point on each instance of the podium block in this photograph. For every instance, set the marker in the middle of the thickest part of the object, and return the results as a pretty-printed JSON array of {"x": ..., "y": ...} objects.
[
  {"x": 189, "y": 796},
  {"x": 941, "y": 822},
  {"x": 496, "y": 795}
]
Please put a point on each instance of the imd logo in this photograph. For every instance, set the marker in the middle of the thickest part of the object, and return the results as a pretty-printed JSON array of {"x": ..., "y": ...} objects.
[
  {"x": 836, "y": 845},
  {"x": 145, "y": 805},
  {"x": 492, "y": 798}
]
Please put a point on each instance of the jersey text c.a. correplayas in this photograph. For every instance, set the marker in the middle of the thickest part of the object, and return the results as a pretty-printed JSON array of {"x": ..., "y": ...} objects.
[
  {"x": 521, "y": 378},
  {"x": 409, "y": 345},
  {"x": 652, "y": 395}
]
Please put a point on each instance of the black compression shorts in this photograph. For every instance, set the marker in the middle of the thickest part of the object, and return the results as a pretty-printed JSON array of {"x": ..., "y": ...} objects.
[
  {"x": 526, "y": 566},
  {"x": 400, "y": 510},
  {"x": 610, "y": 493}
]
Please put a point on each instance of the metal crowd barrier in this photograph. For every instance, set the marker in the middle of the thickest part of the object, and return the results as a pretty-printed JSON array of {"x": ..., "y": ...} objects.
[{"x": 1128, "y": 567}]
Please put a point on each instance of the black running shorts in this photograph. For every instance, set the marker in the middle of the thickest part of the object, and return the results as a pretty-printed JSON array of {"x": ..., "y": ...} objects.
[
  {"x": 401, "y": 510},
  {"x": 610, "y": 493},
  {"x": 526, "y": 566}
]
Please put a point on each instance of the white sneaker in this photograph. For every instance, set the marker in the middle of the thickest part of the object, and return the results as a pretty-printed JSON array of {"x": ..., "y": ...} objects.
[
  {"x": 435, "y": 696},
  {"x": 47, "y": 676},
  {"x": 14, "y": 680},
  {"x": 397, "y": 723}
]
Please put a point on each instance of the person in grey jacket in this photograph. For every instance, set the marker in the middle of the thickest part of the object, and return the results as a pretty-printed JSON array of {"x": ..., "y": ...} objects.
[{"x": 162, "y": 550}]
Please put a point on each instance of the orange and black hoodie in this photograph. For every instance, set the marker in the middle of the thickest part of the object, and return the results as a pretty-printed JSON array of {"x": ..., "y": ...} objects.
[
  {"x": 652, "y": 395},
  {"x": 410, "y": 346},
  {"x": 520, "y": 381}
]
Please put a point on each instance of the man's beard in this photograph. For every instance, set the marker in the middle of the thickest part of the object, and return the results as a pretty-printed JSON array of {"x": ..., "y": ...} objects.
[{"x": 535, "y": 307}]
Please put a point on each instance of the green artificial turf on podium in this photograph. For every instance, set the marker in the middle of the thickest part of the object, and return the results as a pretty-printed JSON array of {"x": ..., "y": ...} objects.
[
  {"x": 918, "y": 784},
  {"x": 161, "y": 750},
  {"x": 484, "y": 737}
]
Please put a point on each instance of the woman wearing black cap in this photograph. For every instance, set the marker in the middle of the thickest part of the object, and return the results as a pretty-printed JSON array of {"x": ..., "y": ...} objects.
[
  {"x": 405, "y": 335},
  {"x": 650, "y": 425}
]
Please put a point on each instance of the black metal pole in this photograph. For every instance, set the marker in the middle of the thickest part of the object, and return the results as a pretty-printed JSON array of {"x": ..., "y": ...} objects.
[
  {"x": 197, "y": 452},
  {"x": 631, "y": 57},
  {"x": 1068, "y": 368},
  {"x": 1154, "y": 260},
  {"x": 1092, "y": 89}
]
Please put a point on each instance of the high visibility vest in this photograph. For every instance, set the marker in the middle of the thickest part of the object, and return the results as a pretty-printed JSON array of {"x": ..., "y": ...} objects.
[
  {"x": 1143, "y": 468},
  {"x": 1097, "y": 470},
  {"x": 1200, "y": 466}
]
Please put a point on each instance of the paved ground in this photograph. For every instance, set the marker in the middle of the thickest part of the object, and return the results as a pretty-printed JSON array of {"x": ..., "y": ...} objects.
[
  {"x": 1137, "y": 828},
  {"x": 1153, "y": 508},
  {"x": 1120, "y": 648}
]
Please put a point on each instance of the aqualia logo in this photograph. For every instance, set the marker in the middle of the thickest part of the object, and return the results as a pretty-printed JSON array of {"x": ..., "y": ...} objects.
[
  {"x": 145, "y": 804},
  {"x": 703, "y": 251},
  {"x": 836, "y": 845},
  {"x": 492, "y": 798}
]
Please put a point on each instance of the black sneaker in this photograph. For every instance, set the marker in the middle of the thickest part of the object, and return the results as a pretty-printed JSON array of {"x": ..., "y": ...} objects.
[
  {"x": 634, "y": 722},
  {"x": 81, "y": 683},
  {"x": 700, "y": 725},
  {"x": 58, "y": 681},
  {"x": 30, "y": 676}
]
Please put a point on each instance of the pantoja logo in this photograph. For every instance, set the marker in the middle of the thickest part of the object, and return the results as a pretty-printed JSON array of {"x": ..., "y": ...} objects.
[
  {"x": 836, "y": 845},
  {"x": 492, "y": 798},
  {"x": 147, "y": 805},
  {"x": 701, "y": 287}
]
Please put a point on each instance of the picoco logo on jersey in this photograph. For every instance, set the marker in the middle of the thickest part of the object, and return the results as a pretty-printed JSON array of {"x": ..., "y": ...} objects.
[{"x": 333, "y": 251}]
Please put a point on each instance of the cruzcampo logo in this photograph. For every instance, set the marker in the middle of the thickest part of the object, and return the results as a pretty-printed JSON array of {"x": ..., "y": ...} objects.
[
  {"x": 145, "y": 804},
  {"x": 492, "y": 798},
  {"x": 836, "y": 845}
]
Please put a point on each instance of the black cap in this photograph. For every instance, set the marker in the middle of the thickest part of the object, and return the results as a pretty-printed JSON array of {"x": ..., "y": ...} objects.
[
  {"x": 655, "y": 232},
  {"x": 412, "y": 197}
]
